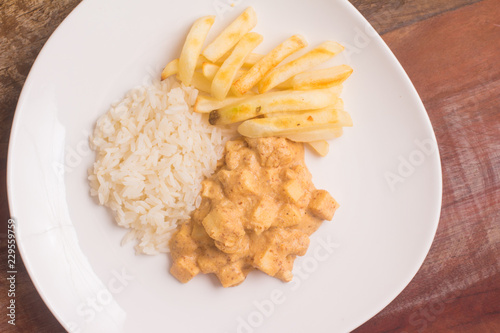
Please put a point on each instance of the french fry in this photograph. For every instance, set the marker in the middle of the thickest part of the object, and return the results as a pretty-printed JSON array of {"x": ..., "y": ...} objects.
[
  {"x": 192, "y": 48},
  {"x": 318, "y": 79},
  {"x": 321, "y": 78},
  {"x": 205, "y": 104},
  {"x": 337, "y": 105},
  {"x": 170, "y": 69},
  {"x": 281, "y": 126},
  {"x": 250, "y": 60},
  {"x": 288, "y": 100},
  {"x": 285, "y": 85},
  {"x": 321, "y": 147},
  {"x": 320, "y": 54},
  {"x": 306, "y": 109},
  {"x": 200, "y": 82},
  {"x": 268, "y": 62},
  {"x": 316, "y": 135},
  {"x": 231, "y": 35},
  {"x": 225, "y": 75},
  {"x": 209, "y": 70}
]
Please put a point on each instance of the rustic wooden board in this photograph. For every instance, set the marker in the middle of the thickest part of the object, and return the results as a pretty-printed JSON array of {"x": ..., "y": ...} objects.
[
  {"x": 452, "y": 60},
  {"x": 450, "y": 50},
  {"x": 388, "y": 15},
  {"x": 25, "y": 26}
]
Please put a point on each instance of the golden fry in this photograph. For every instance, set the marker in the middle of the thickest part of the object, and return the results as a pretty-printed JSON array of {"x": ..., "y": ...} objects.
[
  {"x": 209, "y": 70},
  {"x": 250, "y": 60},
  {"x": 281, "y": 126},
  {"x": 200, "y": 82},
  {"x": 231, "y": 35},
  {"x": 320, "y": 54},
  {"x": 337, "y": 105},
  {"x": 280, "y": 101},
  {"x": 192, "y": 48},
  {"x": 321, "y": 147},
  {"x": 321, "y": 78},
  {"x": 227, "y": 72},
  {"x": 205, "y": 104},
  {"x": 316, "y": 135},
  {"x": 268, "y": 62},
  {"x": 170, "y": 69},
  {"x": 306, "y": 109}
]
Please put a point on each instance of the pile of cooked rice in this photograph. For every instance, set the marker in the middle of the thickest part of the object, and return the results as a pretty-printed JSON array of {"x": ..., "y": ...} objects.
[{"x": 153, "y": 152}]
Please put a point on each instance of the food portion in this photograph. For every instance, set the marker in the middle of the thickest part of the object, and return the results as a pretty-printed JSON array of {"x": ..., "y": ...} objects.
[
  {"x": 239, "y": 85},
  {"x": 257, "y": 212},
  {"x": 192, "y": 48},
  {"x": 304, "y": 122},
  {"x": 260, "y": 206},
  {"x": 231, "y": 35},
  {"x": 158, "y": 148},
  {"x": 268, "y": 62},
  {"x": 227, "y": 72},
  {"x": 290, "y": 101},
  {"x": 152, "y": 152},
  {"x": 318, "y": 55}
]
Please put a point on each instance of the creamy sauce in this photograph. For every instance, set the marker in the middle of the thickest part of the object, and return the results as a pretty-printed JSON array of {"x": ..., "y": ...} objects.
[{"x": 257, "y": 212}]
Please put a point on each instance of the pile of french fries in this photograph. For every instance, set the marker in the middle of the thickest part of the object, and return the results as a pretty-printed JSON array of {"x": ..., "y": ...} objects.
[{"x": 266, "y": 98}]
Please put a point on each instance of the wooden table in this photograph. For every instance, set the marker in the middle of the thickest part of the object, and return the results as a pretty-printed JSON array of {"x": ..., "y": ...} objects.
[{"x": 451, "y": 51}]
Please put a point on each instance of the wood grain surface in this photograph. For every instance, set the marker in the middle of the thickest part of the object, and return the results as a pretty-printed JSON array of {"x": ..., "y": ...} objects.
[{"x": 451, "y": 51}]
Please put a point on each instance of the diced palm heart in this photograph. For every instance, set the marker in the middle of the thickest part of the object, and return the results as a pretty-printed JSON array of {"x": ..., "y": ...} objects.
[{"x": 238, "y": 85}]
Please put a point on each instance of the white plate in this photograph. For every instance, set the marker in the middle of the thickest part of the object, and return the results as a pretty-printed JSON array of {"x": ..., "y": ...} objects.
[{"x": 385, "y": 172}]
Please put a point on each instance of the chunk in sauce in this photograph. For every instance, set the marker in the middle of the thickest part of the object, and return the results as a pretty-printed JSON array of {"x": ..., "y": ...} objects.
[{"x": 257, "y": 212}]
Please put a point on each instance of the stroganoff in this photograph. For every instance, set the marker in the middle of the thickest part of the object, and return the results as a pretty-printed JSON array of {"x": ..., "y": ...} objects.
[{"x": 257, "y": 212}]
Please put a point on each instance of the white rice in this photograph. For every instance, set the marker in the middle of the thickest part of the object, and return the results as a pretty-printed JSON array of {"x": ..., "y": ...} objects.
[{"x": 153, "y": 152}]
